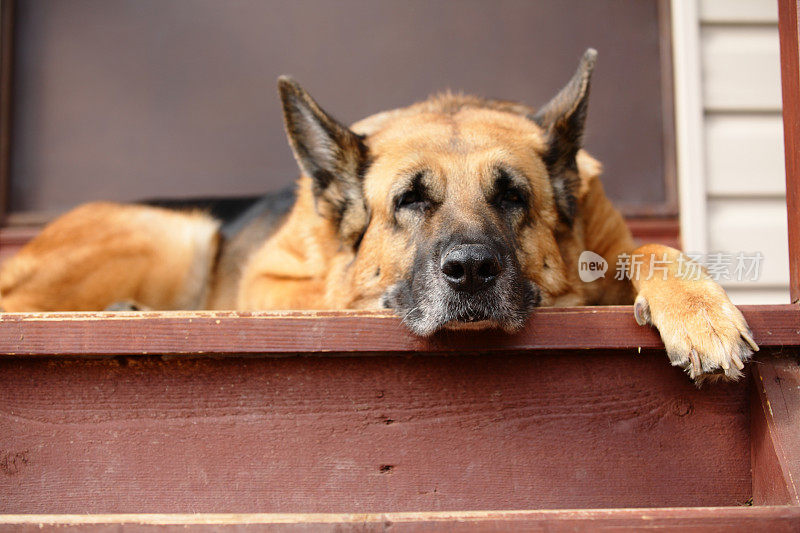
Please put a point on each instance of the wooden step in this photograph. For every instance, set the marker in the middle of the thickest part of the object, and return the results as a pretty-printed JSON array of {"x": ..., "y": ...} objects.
[{"x": 577, "y": 421}]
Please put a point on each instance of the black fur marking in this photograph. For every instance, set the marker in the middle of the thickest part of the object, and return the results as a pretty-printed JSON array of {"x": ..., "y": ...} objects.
[
  {"x": 415, "y": 199},
  {"x": 365, "y": 160},
  {"x": 508, "y": 193},
  {"x": 235, "y": 213},
  {"x": 322, "y": 180},
  {"x": 360, "y": 237},
  {"x": 563, "y": 168},
  {"x": 563, "y": 119},
  {"x": 365, "y": 163},
  {"x": 335, "y": 158}
]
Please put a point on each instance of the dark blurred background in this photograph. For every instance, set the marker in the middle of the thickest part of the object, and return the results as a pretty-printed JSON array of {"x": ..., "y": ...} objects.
[{"x": 127, "y": 99}]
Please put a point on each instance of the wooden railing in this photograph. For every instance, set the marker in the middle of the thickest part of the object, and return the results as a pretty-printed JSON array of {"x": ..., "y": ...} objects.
[
  {"x": 790, "y": 81},
  {"x": 232, "y": 334}
]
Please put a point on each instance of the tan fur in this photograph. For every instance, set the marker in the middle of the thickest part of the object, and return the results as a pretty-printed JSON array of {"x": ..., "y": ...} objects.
[
  {"x": 102, "y": 253},
  {"x": 703, "y": 332}
]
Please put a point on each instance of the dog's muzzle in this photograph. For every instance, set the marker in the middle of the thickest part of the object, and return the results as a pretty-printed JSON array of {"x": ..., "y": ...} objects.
[{"x": 469, "y": 285}]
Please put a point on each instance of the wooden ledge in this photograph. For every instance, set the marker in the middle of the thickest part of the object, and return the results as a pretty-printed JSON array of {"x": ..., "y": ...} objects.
[
  {"x": 341, "y": 333},
  {"x": 782, "y": 518}
]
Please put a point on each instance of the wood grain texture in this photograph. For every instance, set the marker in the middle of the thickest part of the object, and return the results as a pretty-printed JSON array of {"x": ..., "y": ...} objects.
[
  {"x": 790, "y": 83},
  {"x": 775, "y": 519},
  {"x": 769, "y": 484},
  {"x": 776, "y": 429},
  {"x": 367, "y": 434},
  {"x": 338, "y": 333}
]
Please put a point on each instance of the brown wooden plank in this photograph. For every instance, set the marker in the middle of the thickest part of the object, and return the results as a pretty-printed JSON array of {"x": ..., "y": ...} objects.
[
  {"x": 770, "y": 486},
  {"x": 790, "y": 82},
  {"x": 774, "y": 519},
  {"x": 663, "y": 230},
  {"x": 367, "y": 434},
  {"x": 285, "y": 333},
  {"x": 776, "y": 431}
]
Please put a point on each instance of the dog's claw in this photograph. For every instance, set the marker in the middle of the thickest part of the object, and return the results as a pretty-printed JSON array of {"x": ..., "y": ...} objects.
[
  {"x": 641, "y": 311},
  {"x": 703, "y": 332},
  {"x": 748, "y": 337},
  {"x": 694, "y": 360}
]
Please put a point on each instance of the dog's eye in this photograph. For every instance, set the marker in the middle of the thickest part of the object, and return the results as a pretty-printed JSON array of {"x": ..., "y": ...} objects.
[
  {"x": 512, "y": 197},
  {"x": 412, "y": 199},
  {"x": 506, "y": 195}
]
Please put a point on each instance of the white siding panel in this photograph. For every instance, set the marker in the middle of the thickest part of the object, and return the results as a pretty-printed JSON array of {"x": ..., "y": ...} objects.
[
  {"x": 751, "y": 226},
  {"x": 744, "y": 155},
  {"x": 741, "y": 68},
  {"x": 739, "y": 11},
  {"x": 759, "y": 296},
  {"x": 689, "y": 145},
  {"x": 743, "y": 142}
]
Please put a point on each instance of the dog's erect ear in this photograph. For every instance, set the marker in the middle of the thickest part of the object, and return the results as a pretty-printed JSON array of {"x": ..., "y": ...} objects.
[
  {"x": 331, "y": 155},
  {"x": 563, "y": 119}
]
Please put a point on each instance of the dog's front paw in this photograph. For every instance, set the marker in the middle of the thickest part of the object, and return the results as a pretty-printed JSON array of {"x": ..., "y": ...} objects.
[{"x": 703, "y": 332}]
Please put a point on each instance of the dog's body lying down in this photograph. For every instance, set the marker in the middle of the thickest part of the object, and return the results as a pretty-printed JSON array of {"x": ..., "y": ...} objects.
[{"x": 454, "y": 212}]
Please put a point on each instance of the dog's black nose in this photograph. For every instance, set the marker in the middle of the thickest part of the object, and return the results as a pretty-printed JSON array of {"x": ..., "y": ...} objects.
[{"x": 470, "y": 267}]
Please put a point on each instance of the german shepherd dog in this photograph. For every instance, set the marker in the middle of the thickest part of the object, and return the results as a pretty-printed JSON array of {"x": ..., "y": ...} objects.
[{"x": 454, "y": 212}]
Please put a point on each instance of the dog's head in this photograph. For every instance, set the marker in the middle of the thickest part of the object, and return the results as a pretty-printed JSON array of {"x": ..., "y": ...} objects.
[{"x": 449, "y": 211}]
